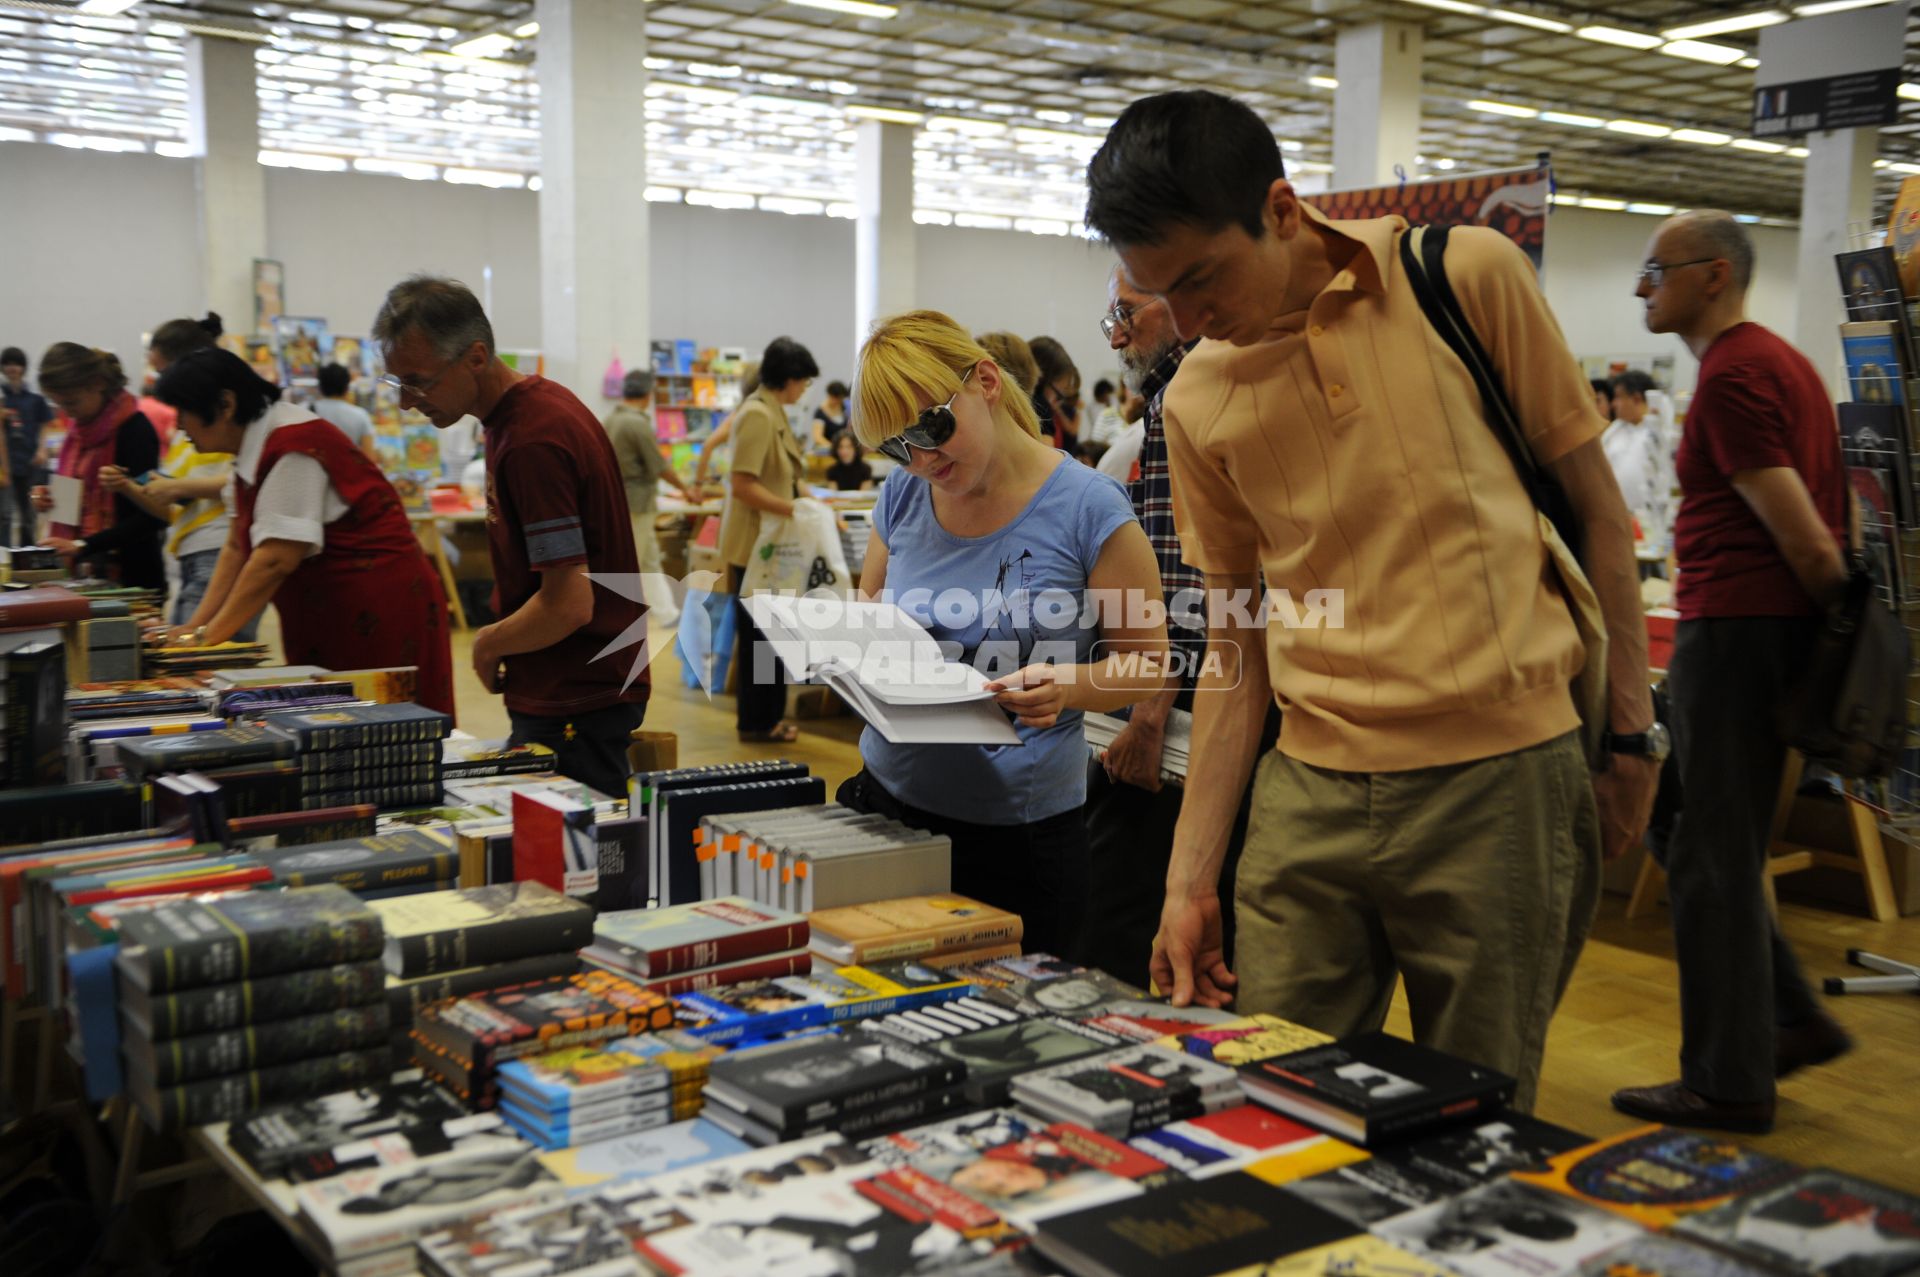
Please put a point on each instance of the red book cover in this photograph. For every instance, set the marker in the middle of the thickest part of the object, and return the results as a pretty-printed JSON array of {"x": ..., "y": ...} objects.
[
  {"x": 41, "y": 605},
  {"x": 798, "y": 962},
  {"x": 196, "y": 884},
  {"x": 553, "y": 843},
  {"x": 708, "y": 933},
  {"x": 13, "y": 915}
]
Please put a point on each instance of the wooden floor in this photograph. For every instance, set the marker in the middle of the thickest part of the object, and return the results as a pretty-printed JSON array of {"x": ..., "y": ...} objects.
[{"x": 1619, "y": 1024}]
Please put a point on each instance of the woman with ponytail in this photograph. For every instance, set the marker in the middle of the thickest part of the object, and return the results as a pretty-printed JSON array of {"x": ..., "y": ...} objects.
[{"x": 115, "y": 538}]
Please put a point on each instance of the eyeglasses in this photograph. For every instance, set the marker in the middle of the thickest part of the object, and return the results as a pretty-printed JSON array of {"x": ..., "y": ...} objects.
[
  {"x": 1120, "y": 318},
  {"x": 1655, "y": 273},
  {"x": 418, "y": 392},
  {"x": 934, "y": 427}
]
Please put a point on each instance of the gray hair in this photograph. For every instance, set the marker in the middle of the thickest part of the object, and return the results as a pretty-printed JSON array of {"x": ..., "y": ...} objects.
[
  {"x": 442, "y": 310},
  {"x": 1718, "y": 235}
]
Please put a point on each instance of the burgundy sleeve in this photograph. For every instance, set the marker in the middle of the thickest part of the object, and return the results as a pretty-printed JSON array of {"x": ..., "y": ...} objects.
[
  {"x": 1746, "y": 419},
  {"x": 543, "y": 489}
]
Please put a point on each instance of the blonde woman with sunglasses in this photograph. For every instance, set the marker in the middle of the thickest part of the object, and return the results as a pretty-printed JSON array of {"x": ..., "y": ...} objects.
[{"x": 1032, "y": 569}]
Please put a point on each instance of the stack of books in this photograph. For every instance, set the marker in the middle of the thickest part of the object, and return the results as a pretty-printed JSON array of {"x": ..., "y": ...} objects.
[
  {"x": 758, "y": 1010},
  {"x": 447, "y": 944},
  {"x": 857, "y": 1083},
  {"x": 204, "y": 659},
  {"x": 204, "y": 965},
  {"x": 464, "y": 758},
  {"x": 585, "y": 1094},
  {"x": 461, "y": 1043},
  {"x": 1375, "y": 1088},
  {"x": 681, "y": 948},
  {"x": 1102, "y": 730},
  {"x": 1038, "y": 984},
  {"x": 948, "y": 929},
  {"x": 1130, "y": 1089},
  {"x": 387, "y": 755},
  {"x": 674, "y": 803},
  {"x": 406, "y": 862},
  {"x": 996, "y": 1043},
  {"x": 819, "y": 857}
]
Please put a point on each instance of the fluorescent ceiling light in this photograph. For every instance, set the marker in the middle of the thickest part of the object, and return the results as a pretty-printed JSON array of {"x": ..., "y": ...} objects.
[
  {"x": 890, "y": 115},
  {"x": 1638, "y": 129},
  {"x": 483, "y": 177},
  {"x": 1656, "y": 210},
  {"x": 1616, "y": 36},
  {"x": 526, "y": 30},
  {"x": 1503, "y": 108},
  {"x": 1700, "y": 51},
  {"x": 1903, "y": 168},
  {"x": 972, "y": 128},
  {"x": 714, "y": 70},
  {"x": 1605, "y": 205},
  {"x": 107, "y": 8},
  {"x": 1530, "y": 20},
  {"x": 1911, "y": 92},
  {"x": 720, "y": 199},
  {"x": 662, "y": 194},
  {"x": 1054, "y": 137},
  {"x": 490, "y": 45},
  {"x": 1702, "y": 137},
  {"x": 173, "y": 150},
  {"x": 1323, "y": 82},
  {"x": 1100, "y": 121},
  {"x": 1755, "y": 144},
  {"x": 1798, "y": 152},
  {"x": 656, "y": 64},
  {"x": 1042, "y": 226},
  {"x": 1832, "y": 6},
  {"x": 294, "y": 159},
  {"x": 1574, "y": 121},
  {"x": 226, "y": 33},
  {"x": 843, "y": 209},
  {"x": 1723, "y": 26},
  {"x": 1751, "y": 64},
  {"x": 1451, "y": 6},
  {"x": 860, "y": 7},
  {"x": 789, "y": 204},
  {"x": 1569, "y": 201},
  {"x": 932, "y": 217},
  {"x": 535, "y": 182},
  {"x": 410, "y": 169}
]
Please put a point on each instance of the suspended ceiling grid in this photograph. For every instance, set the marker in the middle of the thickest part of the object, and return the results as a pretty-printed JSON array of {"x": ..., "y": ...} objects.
[{"x": 749, "y": 99}]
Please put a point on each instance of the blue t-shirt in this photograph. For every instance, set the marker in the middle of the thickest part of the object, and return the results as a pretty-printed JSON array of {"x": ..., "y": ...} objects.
[{"x": 1003, "y": 601}]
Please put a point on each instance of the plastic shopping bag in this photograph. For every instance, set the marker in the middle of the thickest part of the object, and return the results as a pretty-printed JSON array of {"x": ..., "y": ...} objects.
[{"x": 799, "y": 554}]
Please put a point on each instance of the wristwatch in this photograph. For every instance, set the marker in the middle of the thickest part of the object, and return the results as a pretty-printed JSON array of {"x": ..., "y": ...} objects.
[{"x": 1654, "y": 743}]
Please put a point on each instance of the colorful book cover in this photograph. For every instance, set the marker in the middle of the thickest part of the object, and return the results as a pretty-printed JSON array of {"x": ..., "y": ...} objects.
[
  {"x": 640, "y": 1156},
  {"x": 1214, "y": 1143},
  {"x": 1873, "y": 362},
  {"x": 1656, "y": 1175},
  {"x": 1358, "y": 1256},
  {"x": 586, "y": 1075},
  {"x": 1821, "y": 1221},
  {"x": 1651, "y": 1255},
  {"x": 660, "y": 942},
  {"x": 1245, "y": 1040},
  {"x": 1505, "y": 1229}
]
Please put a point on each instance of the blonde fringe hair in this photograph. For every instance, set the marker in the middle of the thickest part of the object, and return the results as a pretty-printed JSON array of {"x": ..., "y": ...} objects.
[{"x": 919, "y": 355}]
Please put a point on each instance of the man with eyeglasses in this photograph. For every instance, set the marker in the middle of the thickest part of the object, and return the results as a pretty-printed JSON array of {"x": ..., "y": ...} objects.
[
  {"x": 1429, "y": 813},
  {"x": 1131, "y": 814},
  {"x": 1757, "y": 540},
  {"x": 555, "y": 511}
]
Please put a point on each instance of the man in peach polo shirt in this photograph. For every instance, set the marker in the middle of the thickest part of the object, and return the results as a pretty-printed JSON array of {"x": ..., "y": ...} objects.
[{"x": 1428, "y": 813}]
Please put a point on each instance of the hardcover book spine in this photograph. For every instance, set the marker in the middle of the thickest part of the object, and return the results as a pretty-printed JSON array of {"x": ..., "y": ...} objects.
[
  {"x": 258, "y": 1045},
  {"x": 417, "y": 754},
  {"x": 416, "y": 794},
  {"x": 229, "y": 957},
  {"x": 1421, "y": 1118},
  {"x": 501, "y": 940},
  {"x": 224, "y": 1006},
  {"x": 369, "y": 777},
  {"x": 889, "y": 1092},
  {"x": 734, "y": 947},
  {"x": 236, "y": 1095},
  {"x": 768, "y": 969},
  {"x": 397, "y": 870},
  {"x": 943, "y": 941},
  {"x": 406, "y": 1000}
]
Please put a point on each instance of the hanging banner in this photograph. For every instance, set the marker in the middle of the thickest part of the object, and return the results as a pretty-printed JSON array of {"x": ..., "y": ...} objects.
[
  {"x": 1513, "y": 202},
  {"x": 1835, "y": 71}
]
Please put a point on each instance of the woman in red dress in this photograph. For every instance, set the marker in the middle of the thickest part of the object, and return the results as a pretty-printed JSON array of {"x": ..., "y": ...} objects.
[{"x": 316, "y": 528}]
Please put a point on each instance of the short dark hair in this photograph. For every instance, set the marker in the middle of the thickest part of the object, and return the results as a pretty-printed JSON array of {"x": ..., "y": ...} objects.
[
  {"x": 13, "y": 355},
  {"x": 335, "y": 380},
  {"x": 179, "y": 337},
  {"x": 1192, "y": 158},
  {"x": 838, "y": 390},
  {"x": 1053, "y": 361},
  {"x": 1600, "y": 387},
  {"x": 1634, "y": 382},
  {"x": 1102, "y": 388},
  {"x": 784, "y": 362},
  {"x": 442, "y": 310},
  {"x": 637, "y": 384},
  {"x": 195, "y": 384}
]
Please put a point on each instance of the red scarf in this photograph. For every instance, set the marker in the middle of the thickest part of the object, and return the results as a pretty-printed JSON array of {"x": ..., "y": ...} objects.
[{"x": 88, "y": 446}]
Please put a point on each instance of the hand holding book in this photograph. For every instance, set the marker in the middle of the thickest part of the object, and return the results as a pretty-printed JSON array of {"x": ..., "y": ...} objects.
[{"x": 1035, "y": 696}]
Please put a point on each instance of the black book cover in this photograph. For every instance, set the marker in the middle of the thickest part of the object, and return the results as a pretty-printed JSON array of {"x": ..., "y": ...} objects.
[
  {"x": 406, "y": 997},
  {"x": 213, "y": 1007},
  {"x": 36, "y": 714},
  {"x": 1875, "y": 435},
  {"x": 1386, "y": 1083},
  {"x": 870, "y": 1122},
  {"x": 624, "y": 879},
  {"x": 56, "y": 813},
  {"x": 403, "y": 857},
  {"x": 189, "y": 943},
  {"x": 800, "y": 1084},
  {"x": 145, "y": 756},
  {"x": 1200, "y": 1226},
  {"x": 1821, "y": 1221},
  {"x": 681, "y": 812},
  {"x": 254, "y": 1046},
  {"x": 996, "y": 1056},
  {"x": 369, "y": 777},
  {"x": 1870, "y": 287},
  {"x": 237, "y": 1095},
  {"x": 409, "y": 754},
  {"x": 480, "y": 926},
  {"x": 350, "y": 726},
  {"x": 385, "y": 797},
  {"x": 262, "y": 789},
  {"x": 302, "y": 828}
]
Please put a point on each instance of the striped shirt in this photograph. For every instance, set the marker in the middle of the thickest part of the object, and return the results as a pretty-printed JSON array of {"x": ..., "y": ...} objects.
[{"x": 1152, "y": 495}]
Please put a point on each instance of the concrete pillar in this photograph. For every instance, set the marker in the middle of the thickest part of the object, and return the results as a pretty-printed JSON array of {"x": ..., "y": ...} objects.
[
  {"x": 883, "y": 261},
  {"x": 223, "y": 129},
  {"x": 1376, "y": 109},
  {"x": 1836, "y": 201},
  {"x": 593, "y": 172}
]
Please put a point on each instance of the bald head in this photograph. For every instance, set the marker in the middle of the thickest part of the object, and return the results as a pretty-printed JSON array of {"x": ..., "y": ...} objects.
[{"x": 1713, "y": 233}]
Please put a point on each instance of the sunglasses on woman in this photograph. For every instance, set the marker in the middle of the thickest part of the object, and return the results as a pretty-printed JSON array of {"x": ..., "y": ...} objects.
[{"x": 934, "y": 427}]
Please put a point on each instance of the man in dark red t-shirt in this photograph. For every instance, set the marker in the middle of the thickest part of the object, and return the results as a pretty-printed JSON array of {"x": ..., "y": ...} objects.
[
  {"x": 555, "y": 511},
  {"x": 1762, "y": 519}
]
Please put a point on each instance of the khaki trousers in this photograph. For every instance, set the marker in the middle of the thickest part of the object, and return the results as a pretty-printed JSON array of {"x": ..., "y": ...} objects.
[
  {"x": 1476, "y": 883},
  {"x": 646, "y": 544}
]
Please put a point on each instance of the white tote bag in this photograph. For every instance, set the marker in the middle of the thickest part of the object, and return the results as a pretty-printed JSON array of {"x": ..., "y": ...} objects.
[{"x": 798, "y": 554}]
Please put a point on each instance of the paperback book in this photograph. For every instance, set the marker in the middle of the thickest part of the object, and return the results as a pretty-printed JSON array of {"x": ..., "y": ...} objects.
[
  {"x": 1129, "y": 1089},
  {"x": 642, "y": 1155},
  {"x": 1657, "y": 1175},
  {"x": 801, "y": 1084},
  {"x": 677, "y": 938},
  {"x": 1507, "y": 1229},
  {"x": 479, "y": 926},
  {"x": 1820, "y": 1221},
  {"x": 912, "y": 927},
  {"x": 363, "y": 1212},
  {"x": 1375, "y": 1086},
  {"x": 316, "y": 1137}
]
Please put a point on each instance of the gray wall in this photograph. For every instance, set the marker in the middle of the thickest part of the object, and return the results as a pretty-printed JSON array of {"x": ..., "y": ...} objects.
[{"x": 100, "y": 248}]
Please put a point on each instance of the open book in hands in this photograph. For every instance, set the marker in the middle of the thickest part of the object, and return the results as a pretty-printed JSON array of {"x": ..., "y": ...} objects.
[{"x": 885, "y": 665}]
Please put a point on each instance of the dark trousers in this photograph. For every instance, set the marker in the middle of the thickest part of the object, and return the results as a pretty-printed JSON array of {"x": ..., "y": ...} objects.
[
  {"x": 24, "y": 514},
  {"x": 1038, "y": 870},
  {"x": 1738, "y": 978},
  {"x": 590, "y": 748},
  {"x": 759, "y": 679}
]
